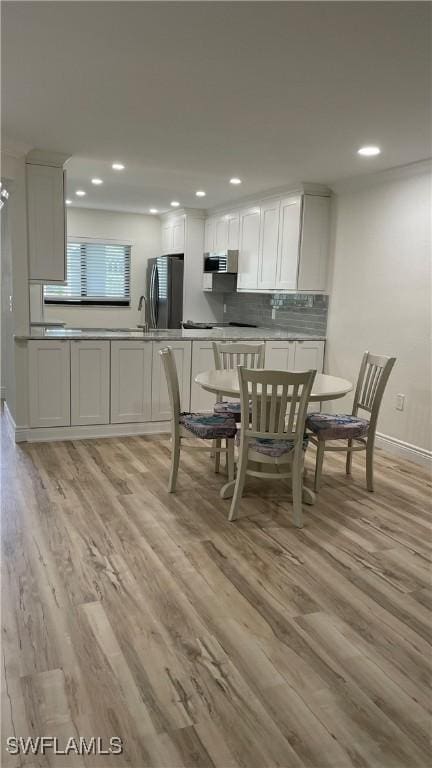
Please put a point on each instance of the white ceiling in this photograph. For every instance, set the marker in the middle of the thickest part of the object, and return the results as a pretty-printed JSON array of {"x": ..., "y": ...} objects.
[{"x": 189, "y": 94}]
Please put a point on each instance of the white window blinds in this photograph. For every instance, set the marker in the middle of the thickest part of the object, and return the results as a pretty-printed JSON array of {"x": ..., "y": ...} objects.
[{"x": 97, "y": 273}]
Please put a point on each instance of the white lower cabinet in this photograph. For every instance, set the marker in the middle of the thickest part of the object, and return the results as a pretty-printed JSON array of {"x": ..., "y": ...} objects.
[
  {"x": 49, "y": 383},
  {"x": 309, "y": 354},
  {"x": 131, "y": 377},
  {"x": 202, "y": 360},
  {"x": 90, "y": 374},
  {"x": 161, "y": 410},
  {"x": 296, "y": 356},
  {"x": 279, "y": 355}
]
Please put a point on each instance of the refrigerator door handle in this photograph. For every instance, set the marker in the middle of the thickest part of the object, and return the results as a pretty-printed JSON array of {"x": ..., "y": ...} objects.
[
  {"x": 156, "y": 296},
  {"x": 152, "y": 297}
]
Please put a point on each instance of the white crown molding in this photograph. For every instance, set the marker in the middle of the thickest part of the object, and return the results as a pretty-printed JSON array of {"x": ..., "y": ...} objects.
[
  {"x": 46, "y": 157},
  {"x": 196, "y": 213},
  {"x": 299, "y": 188},
  {"x": 381, "y": 177}
]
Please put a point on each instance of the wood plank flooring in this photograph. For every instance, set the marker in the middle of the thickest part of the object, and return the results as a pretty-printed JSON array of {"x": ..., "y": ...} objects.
[{"x": 133, "y": 613}]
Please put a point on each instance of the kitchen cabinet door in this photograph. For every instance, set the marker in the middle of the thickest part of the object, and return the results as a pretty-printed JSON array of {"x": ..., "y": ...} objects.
[
  {"x": 178, "y": 237},
  {"x": 209, "y": 235},
  {"x": 46, "y": 223},
  {"x": 202, "y": 360},
  {"x": 233, "y": 231},
  {"x": 314, "y": 251},
  {"x": 167, "y": 239},
  {"x": 131, "y": 378},
  {"x": 309, "y": 354},
  {"x": 49, "y": 383},
  {"x": 249, "y": 248},
  {"x": 289, "y": 239},
  {"x": 90, "y": 374},
  {"x": 161, "y": 410},
  {"x": 221, "y": 234},
  {"x": 269, "y": 237},
  {"x": 280, "y": 355}
]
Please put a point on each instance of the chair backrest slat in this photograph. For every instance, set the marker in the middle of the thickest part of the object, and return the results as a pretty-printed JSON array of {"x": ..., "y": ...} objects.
[
  {"x": 228, "y": 356},
  {"x": 170, "y": 369},
  {"x": 371, "y": 383},
  {"x": 278, "y": 401}
]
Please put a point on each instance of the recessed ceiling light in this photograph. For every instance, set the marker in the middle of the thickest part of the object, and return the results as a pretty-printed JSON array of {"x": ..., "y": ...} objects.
[
  {"x": 80, "y": 193},
  {"x": 117, "y": 166},
  {"x": 368, "y": 151},
  {"x": 97, "y": 181},
  {"x": 200, "y": 193},
  {"x": 175, "y": 203},
  {"x": 154, "y": 210},
  {"x": 68, "y": 202},
  {"x": 235, "y": 180}
]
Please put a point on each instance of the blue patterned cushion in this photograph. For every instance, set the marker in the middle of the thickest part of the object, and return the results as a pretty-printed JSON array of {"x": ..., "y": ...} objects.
[
  {"x": 340, "y": 426},
  {"x": 227, "y": 408},
  {"x": 208, "y": 426},
  {"x": 270, "y": 447}
]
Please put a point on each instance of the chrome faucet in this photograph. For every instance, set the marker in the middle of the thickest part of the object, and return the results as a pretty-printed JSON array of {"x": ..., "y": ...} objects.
[{"x": 143, "y": 301}]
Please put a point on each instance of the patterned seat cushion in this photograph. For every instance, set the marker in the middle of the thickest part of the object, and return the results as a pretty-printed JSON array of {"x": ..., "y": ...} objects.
[
  {"x": 341, "y": 426},
  {"x": 270, "y": 447},
  {"x": 208, "y": 426},
  {"x": 228, "y": 408}
]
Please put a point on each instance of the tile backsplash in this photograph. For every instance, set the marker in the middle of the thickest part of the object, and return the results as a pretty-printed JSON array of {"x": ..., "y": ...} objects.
[{"x": 297, "y": 312}]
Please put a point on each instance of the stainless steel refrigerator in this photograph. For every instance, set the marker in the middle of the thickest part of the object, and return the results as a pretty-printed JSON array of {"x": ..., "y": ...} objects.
[{"x": 165, "y": 291}]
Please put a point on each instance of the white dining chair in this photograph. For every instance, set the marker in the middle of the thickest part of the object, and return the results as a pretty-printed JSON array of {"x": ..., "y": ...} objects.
[
  {"x": 205, "y": 426},
  {"x": 359, "y": 432},
  {"x": 272, "y": 432}
]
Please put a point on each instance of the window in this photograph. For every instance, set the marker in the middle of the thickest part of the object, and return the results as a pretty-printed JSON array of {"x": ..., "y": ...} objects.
[{"x": 97, "y": 273}]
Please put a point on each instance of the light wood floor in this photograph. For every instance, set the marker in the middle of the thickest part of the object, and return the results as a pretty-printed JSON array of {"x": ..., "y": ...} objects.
[{"x": 130, "y": 612}]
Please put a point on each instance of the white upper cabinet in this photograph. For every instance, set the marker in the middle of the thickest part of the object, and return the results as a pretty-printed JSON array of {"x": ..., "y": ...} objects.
[
  {"x": 179, "y": 236},
  {"x": 283, "y": 243},
  {"x": 233, "y": 231},
  {"x": 314, "y": 250},
  {"x": 209, "y": 235},
  {"x": 288, "y": 245},
  {"x": 46, "y": 223},
  {"x": 221, "y": 234},
  {"x": 173, "y": 235},
  {"x": 268, "y": 247},
  {"x": 249, "y": 248}
]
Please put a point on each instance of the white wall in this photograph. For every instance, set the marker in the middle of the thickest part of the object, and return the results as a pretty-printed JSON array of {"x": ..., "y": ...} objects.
[
  {"x": 144, "y": 234},
  {"x": 380, "y": 294}
]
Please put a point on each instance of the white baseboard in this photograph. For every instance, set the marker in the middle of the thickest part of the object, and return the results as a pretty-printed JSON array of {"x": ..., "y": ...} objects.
[
  {"x": 404, "y": 450},
  {"x": 44, "y": 434}
]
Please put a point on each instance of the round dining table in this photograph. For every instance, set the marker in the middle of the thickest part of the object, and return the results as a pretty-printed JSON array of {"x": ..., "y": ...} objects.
[{"x": 226, "y": 383}]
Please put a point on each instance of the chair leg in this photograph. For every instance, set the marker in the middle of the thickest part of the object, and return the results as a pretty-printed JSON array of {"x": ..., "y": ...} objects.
[
  {"x": 319, "y": 464},
  {"x": 349, "y": 459},
  {"x": 230, "y": 459},
  {"x": 369, "y": 463},
  {"x": 297, "y": 490},
  {"x": 175, "y": 458},
  {"x": 239, "y": 483},
  {"x": 217, "y": 447}
]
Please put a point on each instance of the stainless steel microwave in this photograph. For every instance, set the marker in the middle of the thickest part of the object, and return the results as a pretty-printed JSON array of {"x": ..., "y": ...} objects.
[{"x": 225, "y": 262}]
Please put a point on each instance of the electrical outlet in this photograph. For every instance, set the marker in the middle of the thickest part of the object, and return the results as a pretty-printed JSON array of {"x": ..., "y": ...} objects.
[
  {"x": 274, "y": 313},
  {"x": 224, "y": 309},
  {"x": 400, "y": 402}
]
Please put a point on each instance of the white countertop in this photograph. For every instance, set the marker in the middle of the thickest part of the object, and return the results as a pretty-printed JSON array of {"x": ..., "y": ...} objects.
[{"x": 230, "y": 333}]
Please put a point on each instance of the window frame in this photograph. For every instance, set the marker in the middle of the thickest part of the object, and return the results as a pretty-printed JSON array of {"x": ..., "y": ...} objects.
[{"x": 85, "y": 301}]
